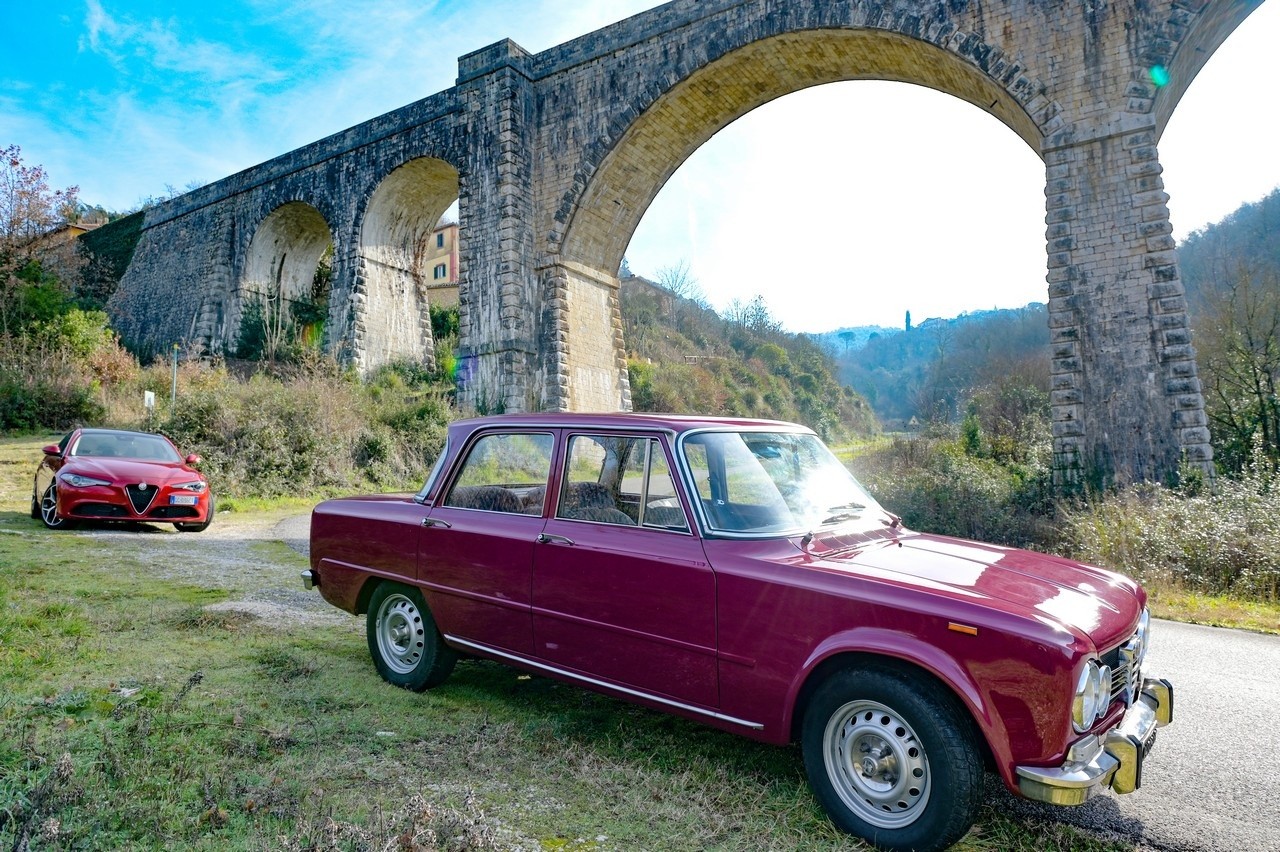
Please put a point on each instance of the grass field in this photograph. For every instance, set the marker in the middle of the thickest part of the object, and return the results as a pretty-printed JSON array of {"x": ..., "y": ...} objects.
[{"x": 137, "y": 713}]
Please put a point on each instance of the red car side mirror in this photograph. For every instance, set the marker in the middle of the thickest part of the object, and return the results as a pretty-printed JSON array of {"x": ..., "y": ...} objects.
[
  {"x": 52, "y": 450},
  {"x": 194, "y": 459}
]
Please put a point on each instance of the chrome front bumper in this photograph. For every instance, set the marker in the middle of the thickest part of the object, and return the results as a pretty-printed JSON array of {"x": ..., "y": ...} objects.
[{"x": 1113, "y": 759}]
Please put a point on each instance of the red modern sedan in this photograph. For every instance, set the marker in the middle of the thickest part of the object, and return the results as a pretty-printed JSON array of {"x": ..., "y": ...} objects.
[{"x": 113, "y": 475}]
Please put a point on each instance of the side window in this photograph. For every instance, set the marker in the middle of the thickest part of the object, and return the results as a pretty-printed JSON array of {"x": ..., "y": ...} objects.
[
  {"x": 622, "y": 480},
  {"x": 661, "y": 507},
  {"x": 504, "y": 473},
  {"x": 593, "y": 479}
]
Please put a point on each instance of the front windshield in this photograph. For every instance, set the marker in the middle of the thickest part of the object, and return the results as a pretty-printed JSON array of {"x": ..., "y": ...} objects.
[
  {"x": 772, "y": 482},
  {"x": 125, "y": 445}
]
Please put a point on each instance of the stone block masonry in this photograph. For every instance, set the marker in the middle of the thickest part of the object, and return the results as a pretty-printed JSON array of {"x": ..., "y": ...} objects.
[{"x": 554, "y": 158}]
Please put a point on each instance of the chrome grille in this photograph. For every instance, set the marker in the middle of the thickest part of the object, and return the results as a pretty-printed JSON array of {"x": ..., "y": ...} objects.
[
  {"x": 1120, "y": 681},
  {"x": 1124, "y": 673},
  {"x": 140, "y": 496}
]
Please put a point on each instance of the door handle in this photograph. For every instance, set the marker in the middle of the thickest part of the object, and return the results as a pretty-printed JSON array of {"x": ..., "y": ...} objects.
[
  {"x": 549, "y": 538},
  {"x": 436, "y": 522}
]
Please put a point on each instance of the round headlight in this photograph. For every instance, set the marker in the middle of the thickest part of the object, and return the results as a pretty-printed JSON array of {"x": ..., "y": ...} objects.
[
  {"x": 1143, "y": 636},
  {"x": 1104, "y": 690},
  {"x": 1088, "y": 700}
]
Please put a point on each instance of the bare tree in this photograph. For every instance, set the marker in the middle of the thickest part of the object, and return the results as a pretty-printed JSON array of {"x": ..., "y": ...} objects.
[
  {"x": 1238, "y": 343},
  {"x": 678, "y": 280},
  {"x": 29, "y": 211}
]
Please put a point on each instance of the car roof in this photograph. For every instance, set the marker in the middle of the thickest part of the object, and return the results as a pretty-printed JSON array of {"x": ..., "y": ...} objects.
[
  {"x": 622, "y": 420},
  {"x": 93, "y": 430}
]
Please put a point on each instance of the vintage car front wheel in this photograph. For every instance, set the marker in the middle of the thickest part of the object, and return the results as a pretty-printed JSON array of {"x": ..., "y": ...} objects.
[
  {"x": 407, "y": 649},
  {"x": 892, "y": 760}
]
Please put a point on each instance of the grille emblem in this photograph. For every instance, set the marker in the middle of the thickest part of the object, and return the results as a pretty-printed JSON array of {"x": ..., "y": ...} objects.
[{"x": 142, "y": 486}]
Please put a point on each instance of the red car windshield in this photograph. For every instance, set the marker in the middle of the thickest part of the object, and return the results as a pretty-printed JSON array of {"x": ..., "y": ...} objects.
[{"x": 125, "y": 446}]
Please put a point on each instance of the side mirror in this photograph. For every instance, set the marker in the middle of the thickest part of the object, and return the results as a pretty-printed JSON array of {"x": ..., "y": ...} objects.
[
  {"x": 52, "y": 450},
  {"x": 194, "y": 459}
]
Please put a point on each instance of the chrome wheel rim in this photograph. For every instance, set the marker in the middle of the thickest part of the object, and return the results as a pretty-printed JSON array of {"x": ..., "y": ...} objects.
[
  {"x": 49, "y": 507},
  {"x": 401, "y": 634},
  {"x": 876, "y": 764}
]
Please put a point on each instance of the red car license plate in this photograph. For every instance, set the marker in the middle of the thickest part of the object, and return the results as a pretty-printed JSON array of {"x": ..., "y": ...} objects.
[{"x": 182, "y": 500}]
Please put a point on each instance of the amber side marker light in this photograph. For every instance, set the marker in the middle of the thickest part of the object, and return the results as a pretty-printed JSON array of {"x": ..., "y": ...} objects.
[{"x": 963, "y": 628}]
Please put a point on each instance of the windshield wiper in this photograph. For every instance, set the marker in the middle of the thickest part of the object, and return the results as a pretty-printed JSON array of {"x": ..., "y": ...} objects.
[{"x": 850, "y": 511}]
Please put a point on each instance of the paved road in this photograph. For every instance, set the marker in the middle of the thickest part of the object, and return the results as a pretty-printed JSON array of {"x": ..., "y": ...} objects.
[{"x": 1213, "y": 779}]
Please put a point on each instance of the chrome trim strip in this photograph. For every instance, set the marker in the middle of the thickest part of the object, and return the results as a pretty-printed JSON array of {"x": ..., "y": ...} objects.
[{"x": 647, "y": 696}]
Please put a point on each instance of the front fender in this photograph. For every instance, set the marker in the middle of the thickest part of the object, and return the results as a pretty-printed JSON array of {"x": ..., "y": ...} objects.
[{"x": 862, "y": 645}]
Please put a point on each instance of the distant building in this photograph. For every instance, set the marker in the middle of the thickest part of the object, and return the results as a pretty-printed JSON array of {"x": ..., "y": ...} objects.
[
  {"x": 440, "y": 262},
  {"x": 60, "y": 236}
]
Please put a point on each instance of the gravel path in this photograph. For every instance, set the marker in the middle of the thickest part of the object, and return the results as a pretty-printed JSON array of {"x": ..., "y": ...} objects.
[{"x": 239, "y": 553}]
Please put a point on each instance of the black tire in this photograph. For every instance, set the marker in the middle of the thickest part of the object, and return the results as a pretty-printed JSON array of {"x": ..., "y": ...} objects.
[
  {"x": 49, "y": 510},
  {"x": 407, "y": 649},
  {"x": 892, "y": 759},
  {"x": 203, "y": 525}
]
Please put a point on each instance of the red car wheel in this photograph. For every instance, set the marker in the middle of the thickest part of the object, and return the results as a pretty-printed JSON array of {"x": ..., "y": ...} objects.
[{"x": 49, "y": 510}]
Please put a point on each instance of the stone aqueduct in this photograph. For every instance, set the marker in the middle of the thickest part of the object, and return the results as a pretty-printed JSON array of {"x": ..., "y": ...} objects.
[{"x": 554, "y": 158}]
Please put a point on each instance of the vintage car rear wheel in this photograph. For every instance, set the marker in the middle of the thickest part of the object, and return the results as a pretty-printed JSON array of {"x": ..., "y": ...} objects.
[
  {"x": 49, "y": 510},
  {"x": 892, "y": 760},
  {"x": 407, "y": 649}
]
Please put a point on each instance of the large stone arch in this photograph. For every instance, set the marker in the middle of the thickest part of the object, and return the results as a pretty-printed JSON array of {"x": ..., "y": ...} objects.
[
  {"x": 613, "y": 190},
  {"x": 280, "y": 265},
  {"x": 391, "y": 301},
  {"x": 618, "y": 189}
]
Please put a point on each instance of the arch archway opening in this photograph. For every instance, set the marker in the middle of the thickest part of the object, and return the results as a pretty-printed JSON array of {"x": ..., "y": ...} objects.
[
  {"x": 617, "y": 192},
  {"x": 649, "y": 151},
  {"x": 284, "y": 294},
  {"x": 408, "y": 261}
]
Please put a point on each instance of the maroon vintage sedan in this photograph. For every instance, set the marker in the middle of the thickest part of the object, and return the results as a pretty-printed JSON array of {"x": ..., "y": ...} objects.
[
  {"x": 116, "y": 475},
  {"x": 734, "y": 572}
]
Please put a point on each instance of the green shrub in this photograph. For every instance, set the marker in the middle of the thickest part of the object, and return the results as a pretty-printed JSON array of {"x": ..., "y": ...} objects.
[
  {"x": 935, "y": 486},
  {"x": 44, "y": 387},
  {"x": 1222, "y": 538}
]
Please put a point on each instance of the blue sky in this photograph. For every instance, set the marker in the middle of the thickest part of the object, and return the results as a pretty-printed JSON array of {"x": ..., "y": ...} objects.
[{"x": 880, "y": 197}]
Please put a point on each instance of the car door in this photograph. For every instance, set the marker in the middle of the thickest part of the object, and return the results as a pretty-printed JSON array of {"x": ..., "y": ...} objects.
[
  {"x": 622, "y": 591},
  {"x": 475, "y": 549}
]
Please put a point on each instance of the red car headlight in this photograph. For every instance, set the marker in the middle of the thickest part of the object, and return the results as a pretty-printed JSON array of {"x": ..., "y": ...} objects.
[
  {"x": 197, "y": 486},
  {"x": 75, "y": 480}
]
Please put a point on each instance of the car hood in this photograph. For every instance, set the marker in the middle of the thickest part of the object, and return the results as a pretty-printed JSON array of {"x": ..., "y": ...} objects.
[
  {"x": 1080, "y": 598},
  {"x": 131, "y": 470}
]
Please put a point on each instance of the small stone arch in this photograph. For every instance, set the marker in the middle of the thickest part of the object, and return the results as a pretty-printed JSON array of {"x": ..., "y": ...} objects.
[
  {"x": 393, "y": 287},
  {"x": 280, "y": 266}
]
